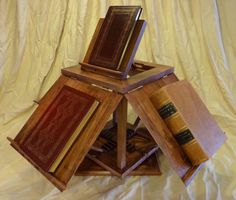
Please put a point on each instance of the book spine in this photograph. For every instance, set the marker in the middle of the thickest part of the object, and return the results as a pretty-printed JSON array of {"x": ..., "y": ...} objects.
[{"x": 178, "y": 128}]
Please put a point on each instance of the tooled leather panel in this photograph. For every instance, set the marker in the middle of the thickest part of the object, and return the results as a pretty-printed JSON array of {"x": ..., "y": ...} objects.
[
  {"x": 113, "y": 36},
  {"x": 56, "y": 126}
]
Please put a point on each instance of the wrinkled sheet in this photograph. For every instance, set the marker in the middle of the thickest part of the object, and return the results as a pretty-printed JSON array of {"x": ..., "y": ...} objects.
[{"x": 38, "y": 38}]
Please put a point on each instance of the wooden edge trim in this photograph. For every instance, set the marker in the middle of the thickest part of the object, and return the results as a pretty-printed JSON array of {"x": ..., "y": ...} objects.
[
  {"x": 97, "y": 68},
  {"x": 110, "y": 169},
  {"x": 91, "y": 80},
  {"x": 132, "y": 47},
  {"x": 188, "y": 177},
  {"x": 92, "y": 41},
  {"x": 150, "y": 64},
  {"x": 94, "y": 173},
  {"x": 152, "y": 74},
  {"x": 139, "y": 162},
  {"x": 60, "y": 185}
]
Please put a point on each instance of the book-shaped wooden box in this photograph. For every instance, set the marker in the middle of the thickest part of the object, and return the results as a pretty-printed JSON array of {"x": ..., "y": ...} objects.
[
  {"x": 115, "y": 41},
  {"x": 198, "y": 119},
  {"x": 62, "y": 129}
]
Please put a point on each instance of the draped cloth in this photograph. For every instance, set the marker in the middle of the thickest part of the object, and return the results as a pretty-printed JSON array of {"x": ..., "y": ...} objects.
[{"x": 38, "y": 38}]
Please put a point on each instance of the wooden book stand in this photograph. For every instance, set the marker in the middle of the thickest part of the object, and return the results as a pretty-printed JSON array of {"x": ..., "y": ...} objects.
[
  {"x": 114, "y": 95},
  {"x": 145, "y": 79},
  {"x": 124, "y": 152}
]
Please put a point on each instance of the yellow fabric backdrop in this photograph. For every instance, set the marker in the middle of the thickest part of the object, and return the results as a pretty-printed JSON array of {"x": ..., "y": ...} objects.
[{"x": 40, "y": 37}]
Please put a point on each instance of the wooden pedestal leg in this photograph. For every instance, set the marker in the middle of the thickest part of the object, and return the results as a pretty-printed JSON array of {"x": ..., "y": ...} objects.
[
  {"x": 114, "y": 118},
  {"x": 121, "y": 133}
]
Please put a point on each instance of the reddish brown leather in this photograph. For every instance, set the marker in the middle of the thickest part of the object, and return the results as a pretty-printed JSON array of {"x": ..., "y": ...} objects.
[
  {"x": 56, "y": 126},
  {"x": 113, "y": 36}
]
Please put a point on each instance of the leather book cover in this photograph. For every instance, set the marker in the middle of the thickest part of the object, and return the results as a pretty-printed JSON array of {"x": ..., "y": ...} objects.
[
  {"x": 114, "y": 35},
  {"x": 57, "y": 125},
  {"x": 189, "y": 120}
]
